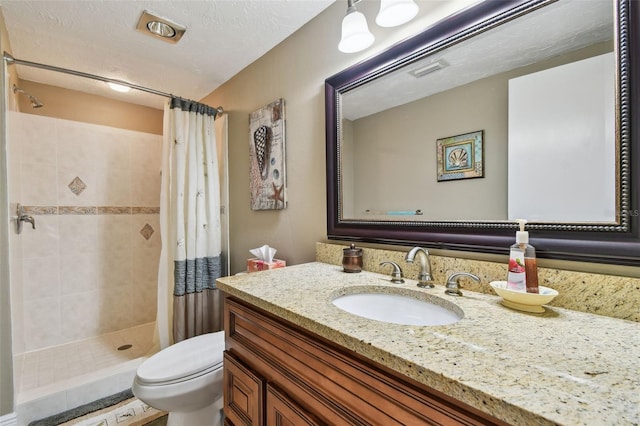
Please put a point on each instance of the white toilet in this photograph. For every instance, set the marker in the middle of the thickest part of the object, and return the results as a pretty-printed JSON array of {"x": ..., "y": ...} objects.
[{"x": 185, "y": 380}]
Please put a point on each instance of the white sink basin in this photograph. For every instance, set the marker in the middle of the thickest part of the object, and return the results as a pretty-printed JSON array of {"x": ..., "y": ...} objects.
[{"x": 397, "y": 309}]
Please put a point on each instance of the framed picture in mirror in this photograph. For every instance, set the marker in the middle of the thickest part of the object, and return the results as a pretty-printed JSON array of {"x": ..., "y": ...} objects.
[{"x": 461, "y": 156}]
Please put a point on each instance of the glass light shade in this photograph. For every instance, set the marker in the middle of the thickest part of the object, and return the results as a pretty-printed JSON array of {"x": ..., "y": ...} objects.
[
  {"x": 355, "y": 33},
  {"x": 396, "y": 12}
]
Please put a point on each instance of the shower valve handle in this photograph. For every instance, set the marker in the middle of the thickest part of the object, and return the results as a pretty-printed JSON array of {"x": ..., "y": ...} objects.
[
  {"x": 23, "y": 217},
  {"x": 30, "y": 219}
]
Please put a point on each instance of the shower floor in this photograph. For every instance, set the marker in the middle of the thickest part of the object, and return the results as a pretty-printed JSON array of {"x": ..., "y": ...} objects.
[{"x": 55, "y": 379}]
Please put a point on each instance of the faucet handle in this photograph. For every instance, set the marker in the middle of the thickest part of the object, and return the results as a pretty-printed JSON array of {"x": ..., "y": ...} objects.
[
  {"x": 453, "y": 287},
  {"x": 396, "y": 275}
]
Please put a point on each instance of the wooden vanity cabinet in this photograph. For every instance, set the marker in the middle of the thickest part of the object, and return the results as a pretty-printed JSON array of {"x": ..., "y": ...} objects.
[{"x": 276, "y": 373}]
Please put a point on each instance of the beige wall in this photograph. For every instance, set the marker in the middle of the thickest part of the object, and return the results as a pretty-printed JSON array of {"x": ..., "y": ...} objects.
[
  {"x": 295, "y": 70},
  {"x": 77, "y": 106},
  {"x": 400, "y": 143},
  {"x": 348, "y": 160}
]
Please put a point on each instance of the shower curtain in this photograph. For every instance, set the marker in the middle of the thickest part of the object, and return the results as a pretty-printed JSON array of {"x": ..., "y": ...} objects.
[{"x": 188, "y": 302}]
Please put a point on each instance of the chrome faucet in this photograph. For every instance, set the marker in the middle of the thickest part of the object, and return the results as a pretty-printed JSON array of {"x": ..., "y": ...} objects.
[{"x": 424, "y": 276}]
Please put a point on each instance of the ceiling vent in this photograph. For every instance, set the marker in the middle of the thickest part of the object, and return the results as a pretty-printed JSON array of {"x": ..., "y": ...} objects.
[
  {"x": 161, "y": 28},
  {"x": 428, "y": 69}
]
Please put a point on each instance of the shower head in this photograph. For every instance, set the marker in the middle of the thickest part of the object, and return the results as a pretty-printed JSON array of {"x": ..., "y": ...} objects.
[{"x": 35, "y": 103}]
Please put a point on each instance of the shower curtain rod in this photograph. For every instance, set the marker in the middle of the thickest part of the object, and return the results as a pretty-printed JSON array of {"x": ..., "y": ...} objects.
[{"x": 11, "y": 60}]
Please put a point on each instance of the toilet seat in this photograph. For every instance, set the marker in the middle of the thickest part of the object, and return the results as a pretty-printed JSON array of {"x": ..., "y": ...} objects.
[{"x": 183, "y": 361}]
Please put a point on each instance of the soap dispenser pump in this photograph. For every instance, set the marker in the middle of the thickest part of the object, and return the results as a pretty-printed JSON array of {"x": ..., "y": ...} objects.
[{"x": 523, "y": 267}]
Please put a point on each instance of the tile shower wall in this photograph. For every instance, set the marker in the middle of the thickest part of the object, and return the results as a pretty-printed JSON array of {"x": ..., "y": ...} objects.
[{"x": 90, "y": 266}]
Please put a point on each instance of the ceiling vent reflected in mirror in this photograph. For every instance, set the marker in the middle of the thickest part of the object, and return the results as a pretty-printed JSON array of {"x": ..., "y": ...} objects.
[
  {"x": 160, "y": 28},
  {"x": 428, "y": 69}
]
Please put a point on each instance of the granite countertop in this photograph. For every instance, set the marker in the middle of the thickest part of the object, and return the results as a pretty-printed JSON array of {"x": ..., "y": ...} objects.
[{"x": 560, "y": 367}]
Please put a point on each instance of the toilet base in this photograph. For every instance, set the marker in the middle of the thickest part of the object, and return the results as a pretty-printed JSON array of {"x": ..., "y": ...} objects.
[{"x": 211, "y": 415}]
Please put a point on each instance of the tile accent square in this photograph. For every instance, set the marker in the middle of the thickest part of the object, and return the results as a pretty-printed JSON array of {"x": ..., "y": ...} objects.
[
  {"x": 147, "y": 231},
  {"x": 77, "y": 186}
]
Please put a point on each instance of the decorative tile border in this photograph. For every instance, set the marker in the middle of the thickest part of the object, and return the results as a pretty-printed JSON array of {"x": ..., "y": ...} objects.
[
  {"x": 114, "y": 210},
  {"x": 145, "y": 210},
  {"x": 77, "y": 210},
  {"x": 40, "y": 210},
  {"x": 88, "y": 210}
]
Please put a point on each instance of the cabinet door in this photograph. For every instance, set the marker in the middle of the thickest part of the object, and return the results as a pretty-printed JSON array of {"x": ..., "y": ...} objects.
[
  {"x": 243, "y": 394},
  {"x": 330, "y": 382},
  {"x": 281, "y": 411}
]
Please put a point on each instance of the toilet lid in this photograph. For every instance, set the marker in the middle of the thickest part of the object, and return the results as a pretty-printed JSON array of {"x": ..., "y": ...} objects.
[{"x": 183, "y": 359}]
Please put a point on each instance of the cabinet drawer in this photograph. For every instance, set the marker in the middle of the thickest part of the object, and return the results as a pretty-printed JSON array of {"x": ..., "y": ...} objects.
[{"x": 243, "y": 394}]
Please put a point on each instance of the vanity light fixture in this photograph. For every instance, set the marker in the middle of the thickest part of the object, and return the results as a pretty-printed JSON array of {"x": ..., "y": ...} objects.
[
  {"x": 161, "y": 28},
  {"x": 355, "y": 31},
  {"x": 396, "y": 12}
]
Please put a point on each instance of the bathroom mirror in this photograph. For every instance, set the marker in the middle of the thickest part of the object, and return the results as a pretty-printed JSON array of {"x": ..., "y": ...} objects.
[{"x": 446, "y": 138}]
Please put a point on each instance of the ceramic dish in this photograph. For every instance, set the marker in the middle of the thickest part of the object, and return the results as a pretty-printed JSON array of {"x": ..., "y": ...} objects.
[{"x": 528, "y": 302}]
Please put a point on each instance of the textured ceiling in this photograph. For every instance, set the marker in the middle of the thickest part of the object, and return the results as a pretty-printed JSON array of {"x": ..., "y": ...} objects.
[{"x": 99, "y": 37}]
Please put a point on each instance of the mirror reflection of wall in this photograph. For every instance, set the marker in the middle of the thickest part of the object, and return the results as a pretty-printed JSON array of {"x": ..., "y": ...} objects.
[
  {"x": 349, "y": 166},
  {"x": 568, "y": 112},
  {"x": 394, "y": 154}
]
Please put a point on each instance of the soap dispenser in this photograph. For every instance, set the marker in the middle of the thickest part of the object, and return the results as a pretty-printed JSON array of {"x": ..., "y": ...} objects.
[{"x": 523, "y": 266}]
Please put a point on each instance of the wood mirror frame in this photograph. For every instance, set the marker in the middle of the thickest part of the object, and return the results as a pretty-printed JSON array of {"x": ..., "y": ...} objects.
[{"x": 616, "y": 243}]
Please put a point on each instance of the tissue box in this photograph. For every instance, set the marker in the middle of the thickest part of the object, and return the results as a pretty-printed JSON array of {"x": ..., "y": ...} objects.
[{"x": 255, "y": 265}]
